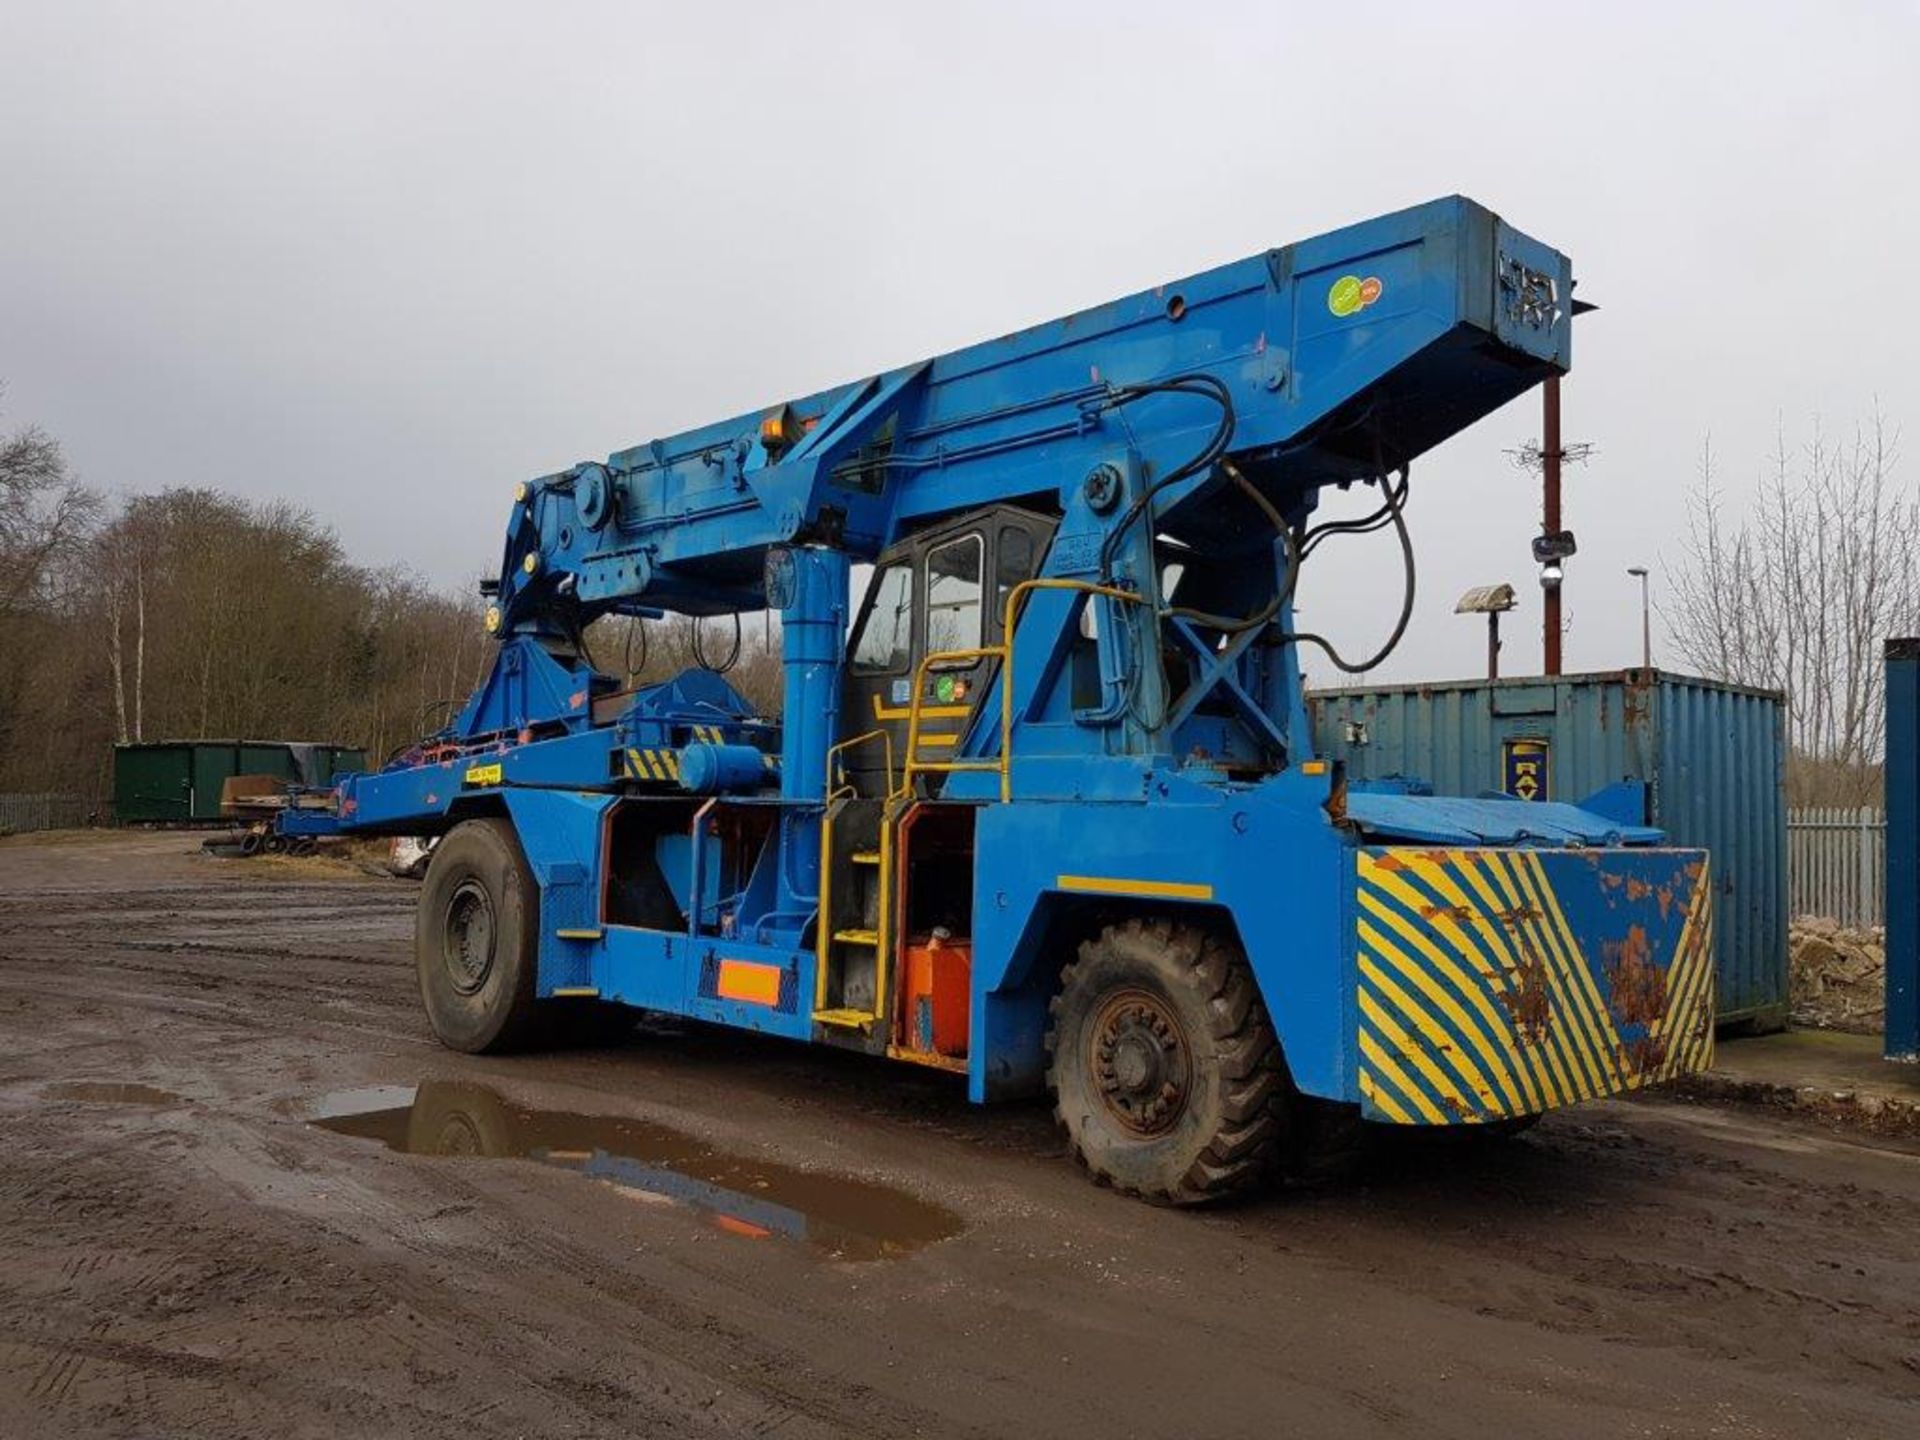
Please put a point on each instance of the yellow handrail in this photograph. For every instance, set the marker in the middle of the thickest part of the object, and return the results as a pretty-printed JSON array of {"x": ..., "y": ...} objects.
[
  {"x": 914, "y": 765},
  {"x": 1004, "y": 653},
  {"x": 886, "y": 742}
]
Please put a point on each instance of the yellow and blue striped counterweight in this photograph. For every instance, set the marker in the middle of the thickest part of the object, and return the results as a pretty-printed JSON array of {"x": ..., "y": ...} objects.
[{"x": 1494, "y": 983}]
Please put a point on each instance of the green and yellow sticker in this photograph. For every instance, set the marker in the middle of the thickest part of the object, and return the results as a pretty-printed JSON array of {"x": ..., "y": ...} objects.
[{"x": 1351, "y": 294}]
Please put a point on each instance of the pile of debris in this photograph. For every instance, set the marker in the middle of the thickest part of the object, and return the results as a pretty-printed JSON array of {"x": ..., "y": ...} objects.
[{"x": 1839, "y": 976}]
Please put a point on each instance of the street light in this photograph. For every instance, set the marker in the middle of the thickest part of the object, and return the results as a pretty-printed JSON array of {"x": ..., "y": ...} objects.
[
  {"x": 1492, "y": 601},
  {"x": 1639, "y": 572}
]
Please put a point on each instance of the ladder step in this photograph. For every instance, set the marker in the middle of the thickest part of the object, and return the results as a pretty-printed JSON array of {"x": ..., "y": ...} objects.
[
  {"x": 858, "y": 937},
  {"x": 845, "y": 1019},
  {"x": 865, "y": 857},
  {"x": 581, "y": 934}
]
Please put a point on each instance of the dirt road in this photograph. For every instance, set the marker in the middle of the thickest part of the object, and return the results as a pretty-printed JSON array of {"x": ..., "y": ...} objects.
[{"x": 707, "y": 1235}]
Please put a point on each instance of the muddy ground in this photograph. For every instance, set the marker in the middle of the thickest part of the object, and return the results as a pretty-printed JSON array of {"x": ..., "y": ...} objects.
[{"x": 718, "y": 1236}]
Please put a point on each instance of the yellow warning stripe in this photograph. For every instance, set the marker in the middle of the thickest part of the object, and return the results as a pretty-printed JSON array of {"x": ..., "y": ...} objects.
[
  {"x": 1549, "y": 1063},
  {"x": 1382, "y": 1101},
  {"x": 653, "y": 764},
  {"x": 1405, "y": 1045},
  {"x": 1384, "y": 1063},
  {"x": 1606, "y": 1035},
  {"x": 1680, "y": 975},
  {"x": 1499, "y": 1052},
  {"x": 1496, "y": 960},
  {"x": 1107, "y": 885},
  {"x": 1489, "y": 1059},
  {"x": 1562, "y": 1038},
  {"x": 1690, "y": 1012},
  {"x": 1599, "y": 1059},
  {"x": 1551, "y": 1066},
  {"x": 1491, "y": 1041},
  {"x": 1425, "y": 981},
  {"x": 1583, "y": 1078}
]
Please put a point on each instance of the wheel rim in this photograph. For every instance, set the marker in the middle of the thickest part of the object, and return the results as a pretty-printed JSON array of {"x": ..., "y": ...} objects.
[
  {"x": 1140, "y": 1062},
  {"x": 467, "y": 939}
]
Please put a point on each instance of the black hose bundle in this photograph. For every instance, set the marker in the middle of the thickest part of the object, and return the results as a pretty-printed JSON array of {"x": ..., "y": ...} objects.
[{"x": 1212, "y": 451}]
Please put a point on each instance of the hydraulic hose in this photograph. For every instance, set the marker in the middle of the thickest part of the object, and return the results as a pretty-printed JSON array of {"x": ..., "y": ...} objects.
[
  {"x": 1392, "y": 512},
  {"x": 1396, "y": 511},
  {"x": 1227, "y": 624},
  {"x": 699, "y": 650},
  {"x": 1216, "y": 446}
]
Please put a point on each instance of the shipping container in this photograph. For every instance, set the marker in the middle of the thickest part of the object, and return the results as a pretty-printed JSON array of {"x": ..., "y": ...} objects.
[
  {"x": 179, "y": 781},
  {"x": 1702, "y": 760}
]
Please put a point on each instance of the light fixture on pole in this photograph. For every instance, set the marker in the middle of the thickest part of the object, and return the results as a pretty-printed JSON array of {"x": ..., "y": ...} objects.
[
  {"x": 1639, "y": 572},
  {"x": 1492, "y": 601}
]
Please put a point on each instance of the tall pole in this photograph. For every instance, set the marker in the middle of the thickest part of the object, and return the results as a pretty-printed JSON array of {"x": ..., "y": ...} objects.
[
  {"x": 1639, "y": 572},
  {"x": 1646, "y": 624},
  {"x": 1550, "y": 516},
  {"x": 1902, "y": 1024}
]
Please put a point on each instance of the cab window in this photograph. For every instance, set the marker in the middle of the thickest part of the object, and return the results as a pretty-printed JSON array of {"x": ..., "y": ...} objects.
[
  {"x": 886, "y": 640},
  {"x": 953, "y": 594}
]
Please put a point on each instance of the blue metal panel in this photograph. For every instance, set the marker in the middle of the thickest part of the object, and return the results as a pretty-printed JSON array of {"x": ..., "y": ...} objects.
[
  {"x": 1270, "y": 858},
  {"x": 1710, "y": 756},
  {"x": 1903, "y": 849},
  {"x": 560, "y": 836}
]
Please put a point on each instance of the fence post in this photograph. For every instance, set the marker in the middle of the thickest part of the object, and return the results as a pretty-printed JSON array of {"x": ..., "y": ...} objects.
[
  {"x": 1861, "y": 819},
  {"x": 1903, "y": 849}
]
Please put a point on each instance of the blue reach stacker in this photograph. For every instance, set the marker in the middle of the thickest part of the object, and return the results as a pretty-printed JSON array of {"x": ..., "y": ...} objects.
[{"x": 1044, "y": 809}]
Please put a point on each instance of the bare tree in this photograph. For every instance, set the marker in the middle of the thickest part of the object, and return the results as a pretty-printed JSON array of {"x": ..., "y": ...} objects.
[
  {"x": 45, "y": 513},
  {"x": 1800, "y": 591}
]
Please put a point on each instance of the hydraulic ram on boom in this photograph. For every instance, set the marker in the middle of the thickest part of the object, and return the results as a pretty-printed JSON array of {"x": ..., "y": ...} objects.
[{"x": 1045, "y": 811}]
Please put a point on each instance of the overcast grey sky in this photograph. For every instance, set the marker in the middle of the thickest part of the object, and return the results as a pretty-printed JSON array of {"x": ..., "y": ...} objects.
[{"x": 386, "y": 259}]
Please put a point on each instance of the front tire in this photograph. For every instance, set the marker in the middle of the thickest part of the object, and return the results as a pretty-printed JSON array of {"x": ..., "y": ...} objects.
[
  {"x": 1164, "y": 1067},
  {"x": 477, "y": 940}
]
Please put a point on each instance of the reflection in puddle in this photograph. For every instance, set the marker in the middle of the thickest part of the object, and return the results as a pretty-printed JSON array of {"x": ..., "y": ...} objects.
[
  {"x": 847, "y": 1219},
  {"x": 109, "y": 1092}
]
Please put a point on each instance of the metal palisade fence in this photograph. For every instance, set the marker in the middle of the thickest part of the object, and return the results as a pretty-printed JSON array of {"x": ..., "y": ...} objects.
[
  {"x": 1836, "y": 864},
  {"x": 41, "y": 812}
]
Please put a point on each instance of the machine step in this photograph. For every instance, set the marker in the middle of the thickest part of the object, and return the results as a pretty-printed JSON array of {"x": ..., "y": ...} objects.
[
  {"x": 845, "y": 1019},
  {"x": 583, "y": 933},
  {"x": 869, "y": 938},
  {"x": 865, "y": 857}
]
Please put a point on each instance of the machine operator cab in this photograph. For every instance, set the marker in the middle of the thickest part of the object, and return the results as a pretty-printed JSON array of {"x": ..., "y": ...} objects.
[{"x": 941, "y": 589}]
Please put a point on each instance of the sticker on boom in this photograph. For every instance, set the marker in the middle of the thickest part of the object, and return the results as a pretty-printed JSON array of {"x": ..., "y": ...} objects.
[{"x": 1351, "y": 294}]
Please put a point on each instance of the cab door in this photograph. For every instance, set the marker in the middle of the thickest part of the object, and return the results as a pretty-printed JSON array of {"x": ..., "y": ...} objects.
[{"x": 944, "y": 590}]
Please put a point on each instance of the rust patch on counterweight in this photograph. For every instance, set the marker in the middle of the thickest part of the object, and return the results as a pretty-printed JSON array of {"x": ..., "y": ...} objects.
[
  {"x": 1638, "y": 986},
  {"x": 1529, "y": 997}
]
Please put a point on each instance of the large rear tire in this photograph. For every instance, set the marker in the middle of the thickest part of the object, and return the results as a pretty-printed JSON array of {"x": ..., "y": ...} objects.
[
  {"x": 477, "y": 940},
  {"x": 1164, "y": 1067}
]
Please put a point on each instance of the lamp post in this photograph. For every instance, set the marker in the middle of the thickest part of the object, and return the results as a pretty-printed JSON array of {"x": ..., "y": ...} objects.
[
  {"x": 1639, "y": 572},
  {"x": 1492, "y": 601}
]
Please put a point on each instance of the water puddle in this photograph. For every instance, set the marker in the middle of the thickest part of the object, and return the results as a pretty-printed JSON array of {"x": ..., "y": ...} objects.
[
  {"x": 108, "y": 1092},
  {"x": 754, "y": 1199}
]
